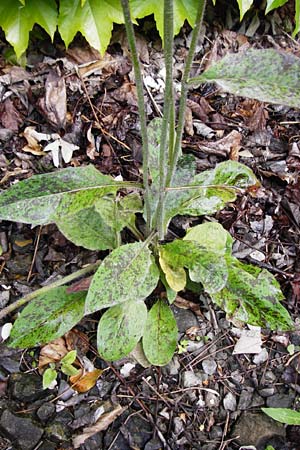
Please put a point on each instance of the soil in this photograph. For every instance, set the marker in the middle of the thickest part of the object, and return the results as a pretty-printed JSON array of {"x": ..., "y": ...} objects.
[{"x": 208, "y": 397}]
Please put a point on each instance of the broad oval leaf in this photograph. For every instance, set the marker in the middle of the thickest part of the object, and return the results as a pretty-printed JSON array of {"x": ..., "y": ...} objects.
[
  {"x": 176, "y": 278},
  {"x": 43, "y": 198},
  {"x": 212, "y": 236},
  {"x": 267, "y": 75},
  {"x": 47, "y": 317},
  {"x": 252, "y": 296},
  {"x": 88, "y": 229},
  {"x": 128, "y": 271},
  {"x": 160, "y": 335},
  {"x": 120, "y": 328},
  {"x": 49, "y": 376},
  {"x": 283, "y": 415}
]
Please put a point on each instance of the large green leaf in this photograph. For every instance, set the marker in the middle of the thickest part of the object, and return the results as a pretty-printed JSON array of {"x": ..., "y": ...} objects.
[
  {"x": 267, "y": 75},
  {"x": 44, "y": 198},
  {"x": 252, "y": 296},
  {"x": 88, "y": 229},
  {"x": 283, "y": 415},
  {"x": 128, "y": 271},
  {"x": 120, "y": 328},
  {"x": 273, "y": 4},
  {"x": 94, "y": 19},
  {"x": 17, "y": 20},
  {"x": 47, "y": 317},
  {"x": 183, "y": 10},
  {"x": 210, "y": 190},
  {"x": 160, "y": 335},
  {"x": 98, "y": 226}
]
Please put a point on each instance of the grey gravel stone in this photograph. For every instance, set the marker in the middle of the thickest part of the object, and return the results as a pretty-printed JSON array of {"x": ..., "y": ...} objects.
[
  {"x": 190, "y": 379},
  {"x": 229, "y": 402},
  {"x": 46, "y": 412},
  {"x": 261, "y": 357},
  {"x": 211, "y": 400},
  {"x": 22, "y": 431},
  {"x": 216, "y": 432},
  {"x": 185, "y": 319},
  {"x": 257, "y": 400},
  {"x": 270, "y": 377},
  {"x": 245, "y": 399},
  {"x": 172, "y": 368},
  {"x": 252, "y": 429},
  {"x": 280, "y": 401},
  {"x": 209, "y": 366},
  {"x": 267, "y": 392}
]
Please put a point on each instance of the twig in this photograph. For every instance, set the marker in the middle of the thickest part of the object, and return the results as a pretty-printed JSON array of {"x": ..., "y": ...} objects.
[
  {"x": 27, "y": 298},
  {"x": 35, "y": 253}
]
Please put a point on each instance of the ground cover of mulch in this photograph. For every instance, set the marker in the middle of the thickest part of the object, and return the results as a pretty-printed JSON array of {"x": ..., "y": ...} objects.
[{"x": 209, "y": 396}]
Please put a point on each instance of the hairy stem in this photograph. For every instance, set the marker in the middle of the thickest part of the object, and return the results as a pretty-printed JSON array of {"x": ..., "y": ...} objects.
[
  {"x": 27, "y": 298},
  {"x": 168, "y": 114},
  {"x": 141, "y": 104},
  {"x": 184, "y": 90}
]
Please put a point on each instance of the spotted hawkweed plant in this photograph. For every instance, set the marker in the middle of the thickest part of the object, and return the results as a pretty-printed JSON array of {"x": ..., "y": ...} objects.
[{"x": 135, "y": 284}]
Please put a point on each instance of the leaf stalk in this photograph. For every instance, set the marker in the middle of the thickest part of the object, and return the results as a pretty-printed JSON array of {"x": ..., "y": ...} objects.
[{"x": 141, "y": 105}]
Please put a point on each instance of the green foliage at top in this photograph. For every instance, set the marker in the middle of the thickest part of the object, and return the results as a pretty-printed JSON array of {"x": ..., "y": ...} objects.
[
  {"x": 95, "y": 18},
  {"x": 267, "y": 75}
]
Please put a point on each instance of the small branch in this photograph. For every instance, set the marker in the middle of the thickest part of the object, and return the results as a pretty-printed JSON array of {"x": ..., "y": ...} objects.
[
  {"x": 169, "y": 113},
  {"x": 27, "y": 298},
  {"x": 141, "y": 104},
  {"x": 184, "y": 89}
]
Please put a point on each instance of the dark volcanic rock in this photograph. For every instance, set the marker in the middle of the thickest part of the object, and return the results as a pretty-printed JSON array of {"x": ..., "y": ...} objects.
[
  {"x": 26, "y": 387},
  {"x": 46, "y": 412},
  {"x": 23, "y": 432}
]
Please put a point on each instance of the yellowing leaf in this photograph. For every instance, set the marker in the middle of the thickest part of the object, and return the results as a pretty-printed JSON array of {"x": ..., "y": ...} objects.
[
  {"x": 83, "y": 383},
  {"x": 176, "y": 278}
]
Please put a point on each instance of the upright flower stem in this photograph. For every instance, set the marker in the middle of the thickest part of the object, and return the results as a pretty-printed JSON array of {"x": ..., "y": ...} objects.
[
  {"x": 184, "y": 91},
  {"x": 141, "y": 104},
  {"x": 168, "y": 115}
]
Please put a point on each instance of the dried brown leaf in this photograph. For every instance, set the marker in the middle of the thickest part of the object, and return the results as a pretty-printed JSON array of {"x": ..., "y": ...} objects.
[
  {"x": 83, "y": 383},
  {"x": 52, "y": 352},
  {"x": 102, "y": 424},
  {"x": 54, "y": 104}
]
